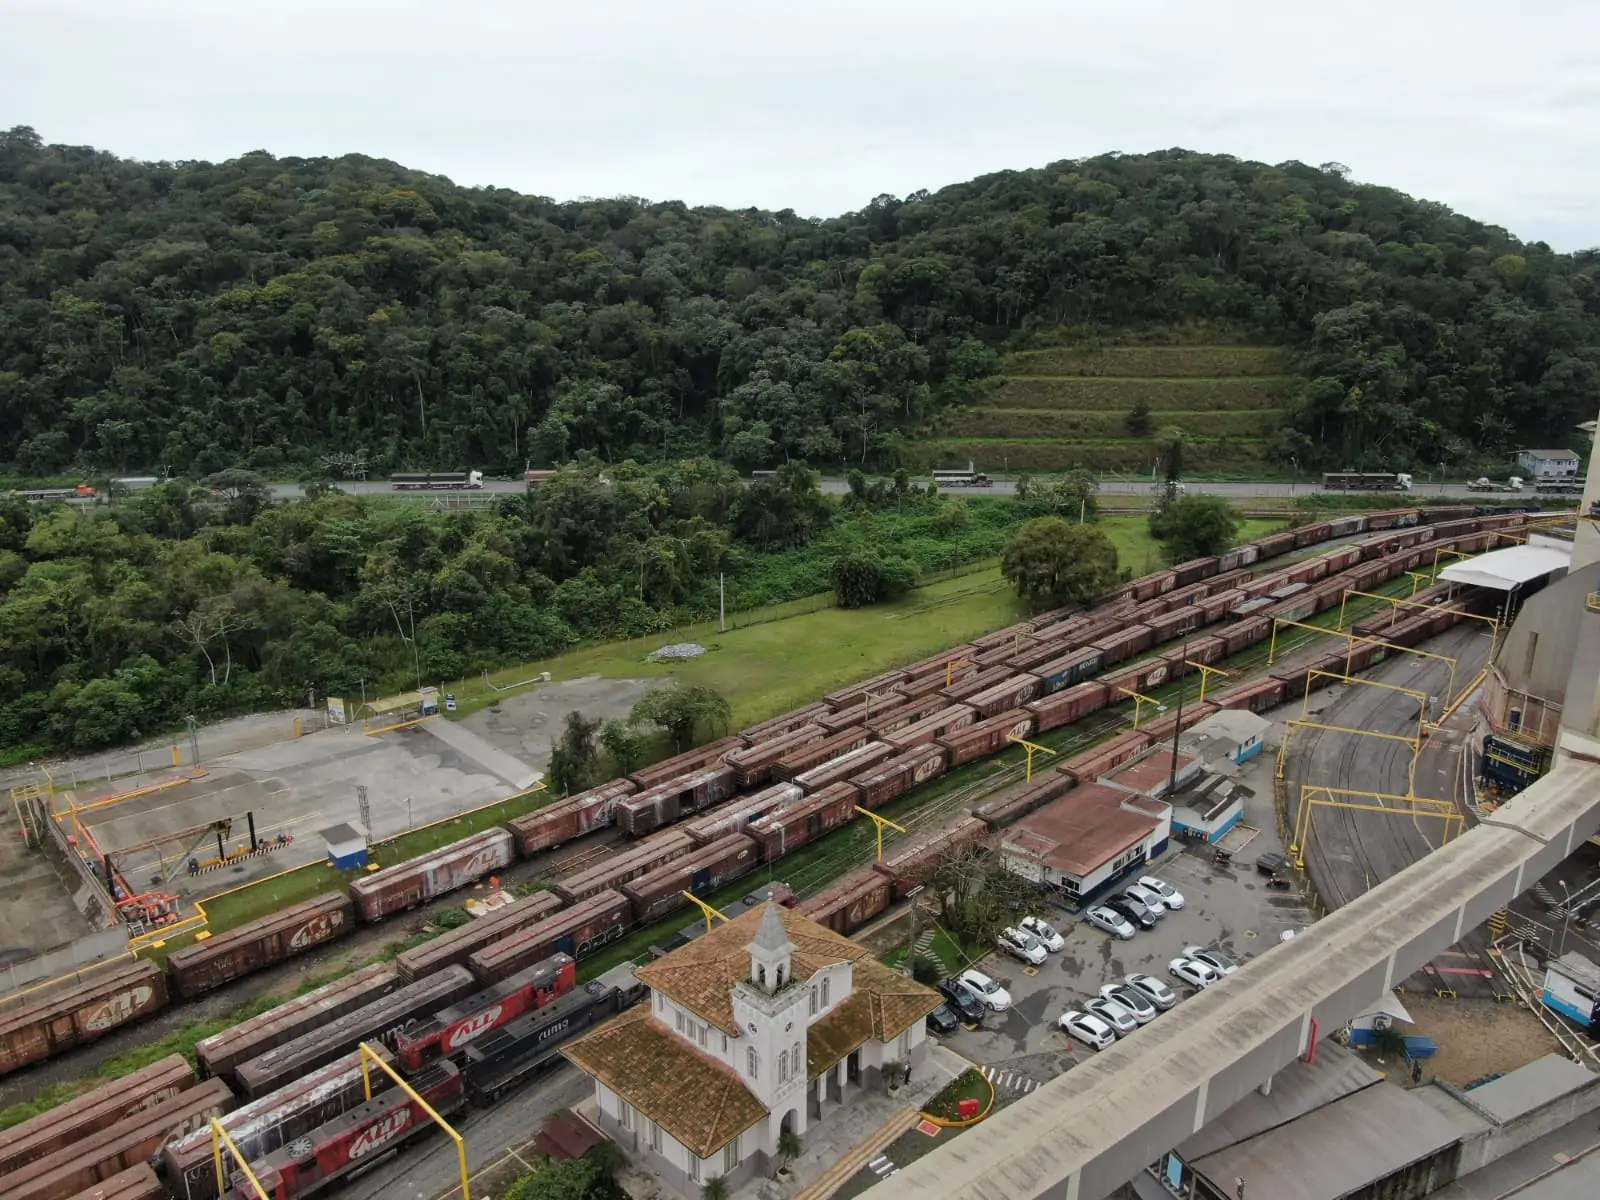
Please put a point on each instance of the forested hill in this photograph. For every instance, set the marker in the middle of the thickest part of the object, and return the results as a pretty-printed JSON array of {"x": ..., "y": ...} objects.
[{"x": 266, "y": 312}]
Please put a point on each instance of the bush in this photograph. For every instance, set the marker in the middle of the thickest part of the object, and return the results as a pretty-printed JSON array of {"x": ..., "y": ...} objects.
[{"x": 865, "y": 577}]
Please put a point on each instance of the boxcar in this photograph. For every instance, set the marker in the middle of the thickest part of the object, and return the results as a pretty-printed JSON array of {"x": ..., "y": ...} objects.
[
  {"x": 937, "y": 664},
  {"x": 900, "y": 774},
  {"x": 850, "y": 903},
  {"x": 980, "y": 681},
  {"x": 558, "y": 823},
  {"x": 798, "y": 762},
  {"x": 1070, "y": 669},
  {"x": 1124, "y": 643},
  {"x": 1011, "y": 804},
  {"x": 1180, "y": 622},
  {"x": 919, "y": 689},
  {"x": 782, "y": 723},
  {"x": 736, "y": 814},
  {"x": 753, "y": 764},
  {"x": 221, "y": 1053},
  {"x": 1003, "y": 637},
  {"x": 1163, "y": 727},
  {"x": 946, "y": 720},
  {"x": 1246, "y": 634},
  {"x": 846, "y": 766},
  {"x": 275, "y": 1120},
  {"x": 987, "y": 737},
  {"x": 857, "y": 692},
  {"x": 68, "y": 1123},
  {"x": 1257, "y": 697},
  {"x": 107, "y": 1152},
  {"x": 686, "y": 763},
  {"x": 1003, "y": 697},
  {"x": 250, "y": 947},
  {"x": 1093, "y": 763},
  {"x": 378, "y": 1021},
  {"x": 628, "y": 863},
  {"x": 653, "y": 896},
  {"x": 1194, "y": 569},
  {"x": 1150, "y": 586},
  {"x": 913, "y": 861},
  {"x": 454, "y": 947},
  {"x": 80, "y": 1012},
  {"x": 1239, "y": 556},
  {"x": 790, "y": 828},
  {"x": 666, "y": 802},
  {"x": 579, "y": 930},
  {"x": 1040, "y": 650},
  {"x": 1310, "y": 535},
  {"x": 136, "y": 1183},
  {"x": 1063, "y": 708},
  {"x": 422, "y": 879},
  {"x": 907, "y": 714},
  {"x": 1275, "y": 544},
  {"x": 1140, "y": 677}
]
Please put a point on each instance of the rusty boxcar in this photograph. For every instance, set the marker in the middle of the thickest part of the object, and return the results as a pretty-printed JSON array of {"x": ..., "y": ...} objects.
[
  {"x": 221, "y": 1053},
  {"x": 409, "y": 884},
  {"x": 799, "y": 761},
  {"x": 906, "y": 714},
  {"x": 900, "y": 774},
  {"x": 653, "y": 896},
  {"x": 987, "y": 737},
  {"x": 736, "y": 814},
  {"x": 782, "y": 723},
  {"x": 80, "y": 1012},
  {"x": 665, "y": 803},
  {"x": 918, "y": 733},
  {"x": 850, "y": 903},
  {"x": 1070, "y": 669},
  {"x": 136, "y": 1183},
  {"x": 1113, "y": 752},
  {"x": 980, "y": 681},
  {"x": 68, "y": 1123},
  {"x": 857, "y": 692},
  {"x": 686, "y": 763},
  {"x": 846, "y": 766},
  {"x": 260, "y": 943},
  {"x": 1013, "y": 803},
  {"x": 753, "y": 764},
  {"x": 582, "y": 929},
  {"x": 1003, "y": 697},
  {"x": 1063, "y": 708},
  {"x": 455, "y": 946},
  {"x": 378, "y": 1021},
  {"x": 558, "y": 823},
  {"x": 1124, "y": 643},
  {"x": 1257, "y": 697},
  {"x": 913, "y": 861},
  {"x": 790, "y": 828},
  {"x": 626, "y": 864}
]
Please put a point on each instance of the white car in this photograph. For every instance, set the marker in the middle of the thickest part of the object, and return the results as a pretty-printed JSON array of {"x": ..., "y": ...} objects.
[
  {"x": 1153, "y": 990},
  {"x": 990, "y": 992},
  {"x": 1045, "y": 932},
  {"x": 1088, "y": 1029},
  {"x": 1113, "y": 1014},
  {"x": 1131, "y": 998},
  {"x": 1170, "y": 896},
  {"x": 1196, "y": 974},
  {"x": 1149, "y": 897},
  {"x": 1219, "y": 962},
  {"x": 1023, "y": 945},
  {"x": 1111, "y": 921}
]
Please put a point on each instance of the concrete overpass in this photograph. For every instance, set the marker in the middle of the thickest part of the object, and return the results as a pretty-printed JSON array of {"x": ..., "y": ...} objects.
[{"x": 1091, "y": 1130}]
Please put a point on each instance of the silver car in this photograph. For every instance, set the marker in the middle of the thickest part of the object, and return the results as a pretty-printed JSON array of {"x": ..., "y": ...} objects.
[
  {"x": 1222, "y": 964},
  {"x": 1111, "y": 921},
  {"x": 1148, "y": 897},
  {"x": 1132, "y": 999},
  {"x": 1113, "y": 1014},
  {"x": 1153, "y": 989}
]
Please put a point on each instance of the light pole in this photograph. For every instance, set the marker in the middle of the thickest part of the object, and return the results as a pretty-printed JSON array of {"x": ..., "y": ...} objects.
[
  {"x": 1295, "y": 462},
  {"x": 1566, "y": 915}
]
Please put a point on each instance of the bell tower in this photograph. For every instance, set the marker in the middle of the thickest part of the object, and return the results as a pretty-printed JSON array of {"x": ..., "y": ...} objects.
[{"x": 771, "y": 1013}]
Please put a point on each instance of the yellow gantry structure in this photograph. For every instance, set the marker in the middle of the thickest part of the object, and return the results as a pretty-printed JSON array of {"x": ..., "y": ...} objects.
[
  {"x": 1313, "y": 796},
  {"x": 1032, "y": 748},
  {"x": 706, "y": 909},
  {"x": 1397, "y": 602},
  {"x": 369, "y": 1059},
  {"x": 221, "y": 1140},
  {"x": 1139, "y": 701},
  {"x": 1205, "y": 675},
  {"x": 880, "y": 822},
  {"x": 950, "y": 668},
  {"x": 1352, "y": 639}
]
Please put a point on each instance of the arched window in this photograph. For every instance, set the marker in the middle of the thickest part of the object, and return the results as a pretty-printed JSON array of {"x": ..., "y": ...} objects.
[
  {"x": 783, "y": 1066},
  {"x": 799, "y": 1061},
  {"x": 813, "y": 1002},
  {"x": 824, "y": 991},
  {"x": 752, "y": 1063}
]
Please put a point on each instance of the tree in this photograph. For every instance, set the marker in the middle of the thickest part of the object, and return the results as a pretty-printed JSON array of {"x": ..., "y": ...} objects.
[
  {"x": 869, "y": 576},
  {"x": 1137, "y": 420},
  {"x": 681, "y": 711},
  {"x": 575, "y": 760},
  {"x": 1194, "y": 527},
  {"x": 624, "y": 744},
  {"x": 978, "y": 896},
  {"x": 1077, "y": 497},
  {"x": 1052, "y": 562},
  {"x": 245, "y": 492},
  {"x": 790, "y": 1147},
  {"x": 715, "y": 1188},
  {"x": 1172, "y": 446}
]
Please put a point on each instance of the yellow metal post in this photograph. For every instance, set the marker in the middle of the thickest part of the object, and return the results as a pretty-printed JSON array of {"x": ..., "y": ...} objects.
[
  {"x": 1405, "y": 806},
  {"x": 1139, "y": 701},
  {"x": 950, "y": 668},
  {"x": 1352, "y": 638},
  {"x": 1493, "y": 622},
  {"x": 219, "y": 1139},
  {"x": 705, "y": 908},
  {"x": 1205, "y": 675},
  {"x": 880, "y": 822},
  {"x": 177, "y": 759},
  {"x": 369, "y": 1058},
  {"x": 1032, "y": 748}
]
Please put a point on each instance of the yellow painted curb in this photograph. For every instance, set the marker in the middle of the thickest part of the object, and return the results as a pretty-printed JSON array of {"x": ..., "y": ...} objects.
[{"x": 987, "y": 1109}]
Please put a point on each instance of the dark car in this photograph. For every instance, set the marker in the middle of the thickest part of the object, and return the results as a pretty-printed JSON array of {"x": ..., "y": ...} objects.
[
  {"x": 1133, "y": 910},
  {"x": 943, "y": 1020},
  {"x": 961, "y": 1000}
]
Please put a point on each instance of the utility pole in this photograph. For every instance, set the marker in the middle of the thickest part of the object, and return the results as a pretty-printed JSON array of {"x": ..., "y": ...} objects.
[
  {"x": 364, "y": 809},
  {"x": 911, "y": 946},
  {"x": 722, "y": 604},
  {"x": 194, "y": 741},
  {"x": 1172, "y": 774}
]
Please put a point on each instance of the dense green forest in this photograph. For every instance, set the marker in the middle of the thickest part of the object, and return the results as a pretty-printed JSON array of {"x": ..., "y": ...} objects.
[
  {"x": 274, "y": 313},
  {"x": 118, "y": 621}
]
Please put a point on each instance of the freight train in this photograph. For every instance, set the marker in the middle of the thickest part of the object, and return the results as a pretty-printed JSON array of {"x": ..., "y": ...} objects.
[{"x": 693, "y": 823}]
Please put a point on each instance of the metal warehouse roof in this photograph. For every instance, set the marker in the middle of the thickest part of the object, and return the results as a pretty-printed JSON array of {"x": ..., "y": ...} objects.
[{"x": 1510, "y": 568}]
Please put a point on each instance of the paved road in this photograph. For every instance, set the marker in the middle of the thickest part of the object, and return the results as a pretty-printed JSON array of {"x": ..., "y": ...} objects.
[{"x": 838, "y": 487}]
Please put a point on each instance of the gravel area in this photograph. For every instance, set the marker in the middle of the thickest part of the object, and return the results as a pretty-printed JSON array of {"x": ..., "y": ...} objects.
[
  {"x": 1476, "y": 1037},
  {"x": 527, "y": 724}
]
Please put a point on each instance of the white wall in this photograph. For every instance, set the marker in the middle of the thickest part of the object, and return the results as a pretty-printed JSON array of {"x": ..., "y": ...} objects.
[{"x": 716, "y": 1044}]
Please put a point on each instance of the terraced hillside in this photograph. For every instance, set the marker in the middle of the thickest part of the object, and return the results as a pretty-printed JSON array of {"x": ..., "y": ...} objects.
[{"x": 1061, "y": 408}]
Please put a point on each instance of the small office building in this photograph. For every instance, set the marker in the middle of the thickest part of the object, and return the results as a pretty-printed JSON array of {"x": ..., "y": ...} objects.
[{"x": 1086, "y": 841}]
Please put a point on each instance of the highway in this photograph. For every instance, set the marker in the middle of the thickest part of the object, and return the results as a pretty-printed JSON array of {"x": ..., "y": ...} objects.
[{"x": 1001, "y": 487}]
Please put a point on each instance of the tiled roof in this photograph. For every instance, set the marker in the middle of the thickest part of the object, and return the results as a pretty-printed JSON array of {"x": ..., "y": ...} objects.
[
  {"x": 882, "y": 1006},
  {"x": 701, "y": 976},
  {"x": 698, "y": 1100}
]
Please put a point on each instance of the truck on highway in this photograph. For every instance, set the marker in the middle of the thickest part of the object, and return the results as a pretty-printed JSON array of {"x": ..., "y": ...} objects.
[
  {"x": 962, "y": 479},
  {"x": 1359, "y": 481},
  {"x": 1560, "y": 487},
  {"x": 534, "y": 478},
  {"x": 1485, "y": 484},
  {"x": 438, "y": 481},
  {"x": 82, "y": 492}
]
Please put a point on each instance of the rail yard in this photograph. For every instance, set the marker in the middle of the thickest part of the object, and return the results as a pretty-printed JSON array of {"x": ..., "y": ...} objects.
[{"x": 483, "y": 1008}]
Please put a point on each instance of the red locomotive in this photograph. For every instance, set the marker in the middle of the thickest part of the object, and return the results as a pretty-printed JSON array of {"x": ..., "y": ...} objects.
[{"x": 450, "y": 1030}]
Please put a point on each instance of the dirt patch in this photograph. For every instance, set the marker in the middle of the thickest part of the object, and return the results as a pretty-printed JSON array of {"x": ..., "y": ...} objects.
[
  {"x": 1477, "y": 1037},
  {"x": 527, "y": 724}
]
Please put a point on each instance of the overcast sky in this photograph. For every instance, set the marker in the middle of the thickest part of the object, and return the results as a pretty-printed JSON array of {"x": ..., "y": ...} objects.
[{"x": 819, "y": 105}]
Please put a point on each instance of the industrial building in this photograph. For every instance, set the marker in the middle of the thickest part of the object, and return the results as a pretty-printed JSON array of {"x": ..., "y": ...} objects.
[
  {"x": 1549, "y": 464},
  {"x": 1084, "y": 842}
]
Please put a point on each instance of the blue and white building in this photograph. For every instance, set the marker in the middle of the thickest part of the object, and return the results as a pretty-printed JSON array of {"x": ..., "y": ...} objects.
[{"x": 1572, "y": 988}]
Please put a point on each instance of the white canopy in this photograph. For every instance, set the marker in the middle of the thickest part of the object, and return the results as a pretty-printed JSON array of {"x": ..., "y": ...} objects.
[{"x": 1506, "y": 569}]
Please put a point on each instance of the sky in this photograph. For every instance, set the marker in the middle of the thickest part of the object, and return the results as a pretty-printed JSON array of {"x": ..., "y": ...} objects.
[{"x": 820, "y": 105}]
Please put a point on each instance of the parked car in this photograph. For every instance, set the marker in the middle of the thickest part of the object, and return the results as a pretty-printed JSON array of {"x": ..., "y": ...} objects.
[
  {"x": 987, "y": 990},
  {"x": 1195, "y": 974},
  {"x": 1219, "y": 962},
  {"x": 1170, "y": 896},
  {"x": 1148, "y": 897},
  {"x": 1132, "y": 911},
  {"x": 1045, "y": 932},
  {"x": 1113, "y": 1014},
  {"x": 1152, "y": 988},
  {"x": 1088, "y": 1029},
  {"x": 1112, "y": 921},
  {"x": 1131, "y": 998},
  {"x": 963, "y": 1001},
  {"x": 943, "y": 1020},
  {"x": 1022, "y": 945}
]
